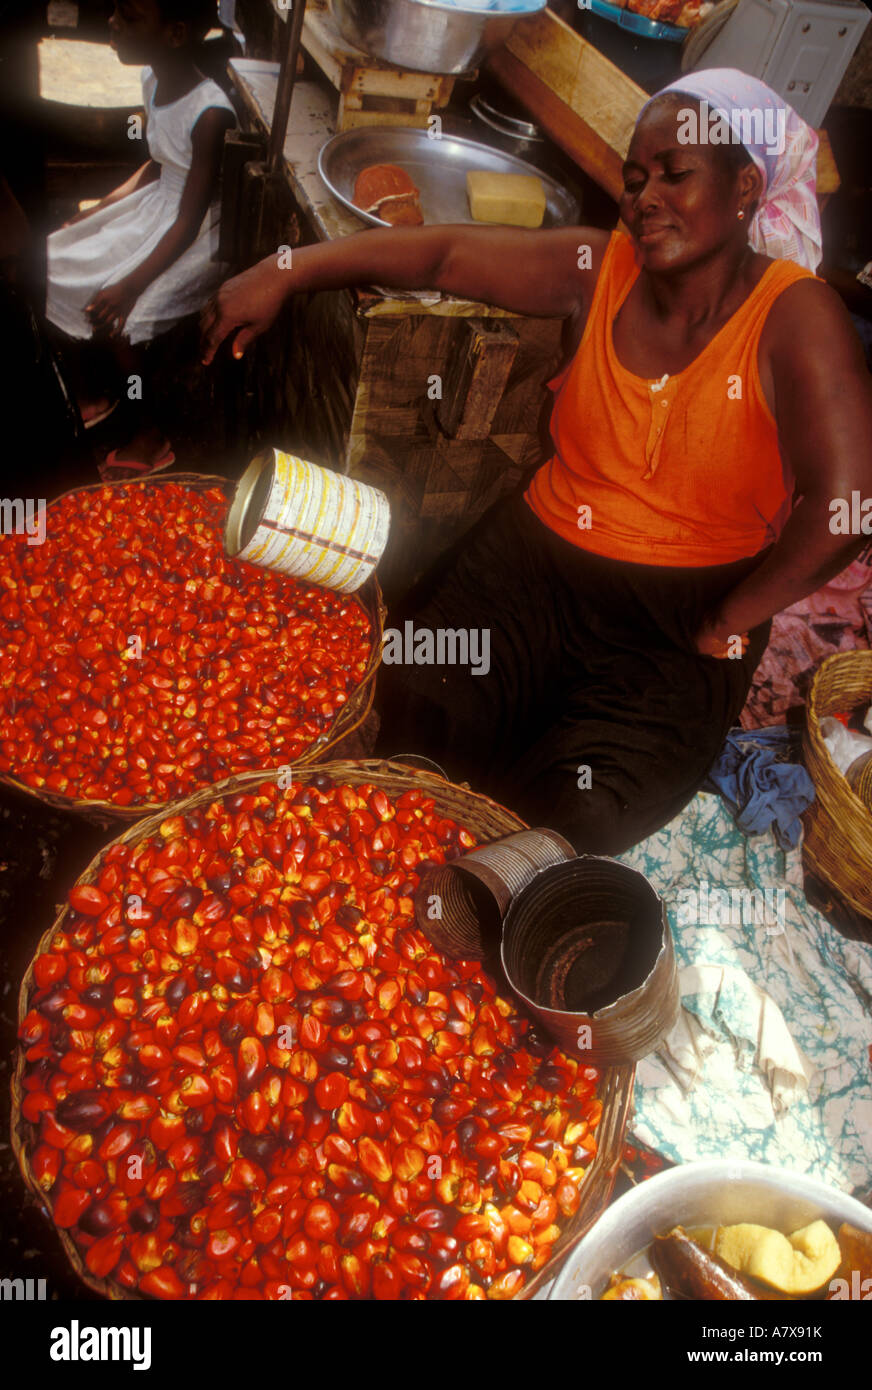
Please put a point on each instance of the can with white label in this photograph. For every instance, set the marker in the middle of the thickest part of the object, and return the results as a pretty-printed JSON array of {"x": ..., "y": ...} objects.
[{"x": 308, "y": 521}]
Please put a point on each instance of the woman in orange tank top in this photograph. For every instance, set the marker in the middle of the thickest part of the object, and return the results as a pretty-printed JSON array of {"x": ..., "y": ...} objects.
[{"x": 716, "y": 404}]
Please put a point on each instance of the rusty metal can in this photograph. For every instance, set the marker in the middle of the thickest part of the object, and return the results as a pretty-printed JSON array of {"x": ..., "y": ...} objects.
[
  {"x": 460, "y": 906},
  {"x": 587, "y": 947},
  {"x": 308, "y": 521}
]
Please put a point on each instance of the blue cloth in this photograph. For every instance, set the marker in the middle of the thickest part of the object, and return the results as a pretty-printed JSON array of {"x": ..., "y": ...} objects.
[{"x": 758, "y": 774}]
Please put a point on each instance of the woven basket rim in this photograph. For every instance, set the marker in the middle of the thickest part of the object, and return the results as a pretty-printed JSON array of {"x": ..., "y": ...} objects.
[
  {"x": 350, "y": 716},
  {"x": 615, "y": 1089},
  {"x": 366, "y": 770},
  {"x": 838, "y": 824},
  {"x": 816, "y": 738}
]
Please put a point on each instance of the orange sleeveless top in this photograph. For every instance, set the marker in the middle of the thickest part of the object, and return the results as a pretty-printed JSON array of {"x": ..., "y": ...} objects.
[{"x": 685, "y": 471}]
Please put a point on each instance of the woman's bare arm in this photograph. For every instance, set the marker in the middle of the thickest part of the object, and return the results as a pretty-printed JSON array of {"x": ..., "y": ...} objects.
[
  {"x": 545, "y": 273},
  {"x": 823, "y": 407}
]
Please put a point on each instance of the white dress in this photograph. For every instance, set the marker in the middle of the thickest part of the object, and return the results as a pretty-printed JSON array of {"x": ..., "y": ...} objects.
[{"x": 109, "y": 244}]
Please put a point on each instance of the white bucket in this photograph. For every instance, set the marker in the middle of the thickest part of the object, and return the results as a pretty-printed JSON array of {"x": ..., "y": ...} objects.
[{"x": 293, "y": 516}]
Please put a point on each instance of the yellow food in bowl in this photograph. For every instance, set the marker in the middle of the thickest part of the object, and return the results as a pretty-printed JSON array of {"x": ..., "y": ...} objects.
[
  {"x": 797, "y": 1264},
  {"x": 517, "y": 200}
]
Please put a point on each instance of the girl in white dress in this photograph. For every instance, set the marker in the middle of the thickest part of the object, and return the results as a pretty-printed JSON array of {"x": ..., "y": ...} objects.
[{"x": 142, "y": 259}]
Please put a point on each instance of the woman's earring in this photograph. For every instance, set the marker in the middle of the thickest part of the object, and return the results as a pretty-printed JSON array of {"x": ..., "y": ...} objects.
[{"x": 741, "y": 214}]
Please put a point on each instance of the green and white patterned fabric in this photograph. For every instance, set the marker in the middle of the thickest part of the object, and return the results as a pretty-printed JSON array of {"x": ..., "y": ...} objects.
[{"x": 770, "y": 1059}]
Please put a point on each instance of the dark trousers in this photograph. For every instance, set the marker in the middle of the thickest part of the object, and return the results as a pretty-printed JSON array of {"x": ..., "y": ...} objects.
[{"x": 597, "y": 717}]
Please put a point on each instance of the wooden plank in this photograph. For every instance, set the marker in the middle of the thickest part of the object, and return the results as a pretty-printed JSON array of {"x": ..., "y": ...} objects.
[
  {"x": 566, "y": 128},
  {"x": 478, "y": 369},
  {"x": 346, "y": 66},
  {"x": 239, "y": 148},
  {"x": 828, "y": 179},
  {"x": 585, "y": 103},
  {"x": 352, "y": 119},
  {"x": 580, "y": 75},
  {"x": 349, "y": 117},
  {"x": 438, "y": 487},
  {"x": 367, "y": 101},
  {"x": 414, "y": 86}
]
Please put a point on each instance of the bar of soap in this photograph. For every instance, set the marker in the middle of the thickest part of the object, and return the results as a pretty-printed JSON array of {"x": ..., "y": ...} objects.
[{"x": 514, "y": 199}]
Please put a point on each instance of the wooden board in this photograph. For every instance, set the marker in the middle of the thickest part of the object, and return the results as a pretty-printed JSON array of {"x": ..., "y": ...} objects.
[
  {"x": 571, "y": 132},
  {"x": 828, "y": 179},
  {"x": 584, "y": 102},
  {"x": 478, "y": 370},
  {"x": 371, "y": 92},
  {"x": 348, "y": 67}
]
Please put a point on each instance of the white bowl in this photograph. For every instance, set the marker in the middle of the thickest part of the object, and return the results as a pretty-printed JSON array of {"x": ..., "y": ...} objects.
[{"x": 718, "y": 1192}]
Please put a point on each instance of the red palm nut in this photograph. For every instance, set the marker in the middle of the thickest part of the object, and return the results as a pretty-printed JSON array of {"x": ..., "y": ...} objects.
[
  {"x": 114, "y": 707},
  {"x": 267, "y": 1081}
]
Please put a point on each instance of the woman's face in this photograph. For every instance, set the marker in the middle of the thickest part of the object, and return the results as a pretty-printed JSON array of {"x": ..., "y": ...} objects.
[{"x": 681, "y": 201}]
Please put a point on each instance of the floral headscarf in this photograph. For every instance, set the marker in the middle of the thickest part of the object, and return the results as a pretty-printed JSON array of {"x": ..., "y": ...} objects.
[{"x": 786, "y": 224}]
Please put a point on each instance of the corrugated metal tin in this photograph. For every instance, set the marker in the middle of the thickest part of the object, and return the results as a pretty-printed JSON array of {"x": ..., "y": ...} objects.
[
  {"x": 587, "y": 946},
  {"x": 308, "y": 521},
  {"x": 460, "y": 906}
]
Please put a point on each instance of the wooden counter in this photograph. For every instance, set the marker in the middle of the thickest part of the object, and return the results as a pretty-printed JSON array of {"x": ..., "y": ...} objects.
[{"x": 348, "y": 378}]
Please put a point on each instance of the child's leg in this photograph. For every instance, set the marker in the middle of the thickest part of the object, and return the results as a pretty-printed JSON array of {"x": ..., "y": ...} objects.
[
  {"x": 147, "y": 444},
  {"x": 90, "y": 371}
]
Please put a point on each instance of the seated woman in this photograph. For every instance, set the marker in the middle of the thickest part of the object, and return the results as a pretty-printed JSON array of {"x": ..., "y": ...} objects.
[
  {"x": 133, "y": 266},
  {"x": 716, "y": 404}
]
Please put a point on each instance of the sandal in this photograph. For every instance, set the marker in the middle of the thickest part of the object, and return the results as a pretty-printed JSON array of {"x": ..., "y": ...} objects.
[{"x": 107, "y": 469}]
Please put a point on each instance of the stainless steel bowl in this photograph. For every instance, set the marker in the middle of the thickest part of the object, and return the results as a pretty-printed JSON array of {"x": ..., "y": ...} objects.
[
  {"x": 438, "y": 168},
  {"x": 425, "y": 36},
  {"x": 510, "y": 133},
  {"x": 716, "y": 1192}
]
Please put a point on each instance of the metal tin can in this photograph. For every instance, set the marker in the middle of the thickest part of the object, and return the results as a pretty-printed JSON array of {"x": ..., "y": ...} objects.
[
  {"x": 587, "y": 947},
  {"x": 308, "y": 521},
  {"x": 460, "y": 906}
]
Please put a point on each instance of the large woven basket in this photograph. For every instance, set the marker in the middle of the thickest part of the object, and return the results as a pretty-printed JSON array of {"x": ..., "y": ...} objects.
[
  {"x": 487, "y": 821},
  {"x": 838, "y": 826},
  {"x": 336, "y": 739}
]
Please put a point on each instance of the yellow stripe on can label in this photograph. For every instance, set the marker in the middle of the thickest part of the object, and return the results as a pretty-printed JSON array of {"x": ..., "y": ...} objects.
[{"x": 297, "y": 517}]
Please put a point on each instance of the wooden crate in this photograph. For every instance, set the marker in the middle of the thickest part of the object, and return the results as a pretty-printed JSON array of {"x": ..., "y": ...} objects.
[
  {"x": 431, "y": 457},
  {"x": 370, "y": 92}
]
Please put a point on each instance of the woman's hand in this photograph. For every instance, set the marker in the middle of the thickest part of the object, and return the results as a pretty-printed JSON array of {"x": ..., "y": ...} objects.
[
  {"x": 109, "y": 309},
  {"x": 247, "y": 306},
  {"x": 715, "y": 639},
  {"x": 822, "y": 403},
  {"x": 480, "y": 263}
]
